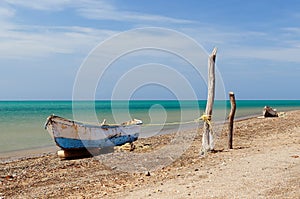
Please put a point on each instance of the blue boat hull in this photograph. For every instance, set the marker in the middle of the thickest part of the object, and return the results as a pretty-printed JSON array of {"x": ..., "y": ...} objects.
[{"x": 69, "y": 143}]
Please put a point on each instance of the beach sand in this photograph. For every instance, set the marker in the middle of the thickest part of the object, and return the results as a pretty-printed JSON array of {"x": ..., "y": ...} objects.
[{"x": 264, "y": 163}]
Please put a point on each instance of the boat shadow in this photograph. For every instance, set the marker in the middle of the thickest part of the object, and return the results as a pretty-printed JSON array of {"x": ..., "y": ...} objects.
[{"x": 75, "y": 154}]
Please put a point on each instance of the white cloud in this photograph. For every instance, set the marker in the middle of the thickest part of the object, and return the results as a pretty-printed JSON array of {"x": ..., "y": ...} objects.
[
  {"x": 267, "y": 53},
  {"x": 99, "y": 10},
  {"x": 292, "y": 29},
  {"x": 6, "y": 12},
  {"x": 105, "y": 11},
  {"x": 38, "y": 41},
  {"x": 282, "y": 45},
  {"x": 25, "y": 41},
  {"x": 40, "y": 5}
]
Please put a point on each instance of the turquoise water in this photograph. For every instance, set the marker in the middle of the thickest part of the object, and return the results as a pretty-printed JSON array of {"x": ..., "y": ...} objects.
[{"x": 21, "y": 122}]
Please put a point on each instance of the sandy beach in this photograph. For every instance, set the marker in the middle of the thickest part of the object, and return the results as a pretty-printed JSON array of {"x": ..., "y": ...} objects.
[{"x": 264, "y": 163}]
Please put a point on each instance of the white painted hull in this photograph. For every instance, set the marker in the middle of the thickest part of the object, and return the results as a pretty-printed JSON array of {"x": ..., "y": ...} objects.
[{"x": 73, "y": 135}]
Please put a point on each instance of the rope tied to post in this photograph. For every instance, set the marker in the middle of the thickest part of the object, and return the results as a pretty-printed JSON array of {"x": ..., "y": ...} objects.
[{"x": 206, "y": 119}]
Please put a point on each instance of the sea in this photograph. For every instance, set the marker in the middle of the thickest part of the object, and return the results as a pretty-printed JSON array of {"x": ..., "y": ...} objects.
[{"x": 22, "y": 122}]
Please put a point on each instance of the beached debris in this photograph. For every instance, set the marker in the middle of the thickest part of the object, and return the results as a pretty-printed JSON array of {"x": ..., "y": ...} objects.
[
  {"x": 143, "y": 146},
  {"x": 125, "y": 147},
  {"x": 147, "y": 173},
  {"x": 269, "y": 112}
]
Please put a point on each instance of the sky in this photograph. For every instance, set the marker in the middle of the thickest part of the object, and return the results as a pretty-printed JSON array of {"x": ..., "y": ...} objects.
[{"x": 44, "y": 45}]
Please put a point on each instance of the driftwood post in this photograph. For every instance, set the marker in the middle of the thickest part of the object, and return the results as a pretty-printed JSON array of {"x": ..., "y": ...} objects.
[
  {"x": 231, "y": 119},
  {"x": 208, "y": 138}
]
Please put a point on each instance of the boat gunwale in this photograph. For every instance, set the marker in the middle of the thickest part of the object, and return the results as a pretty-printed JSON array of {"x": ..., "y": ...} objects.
[{"x": 64, "y": 121}]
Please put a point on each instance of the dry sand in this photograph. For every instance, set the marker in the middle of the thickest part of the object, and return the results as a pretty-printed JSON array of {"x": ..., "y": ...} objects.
[{"x": 264, "y": 163}]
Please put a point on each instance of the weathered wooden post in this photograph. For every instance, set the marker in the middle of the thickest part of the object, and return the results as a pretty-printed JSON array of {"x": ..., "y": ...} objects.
[
  {"x": 208, "y": 138},
  {"x": 231, "y": 119}
]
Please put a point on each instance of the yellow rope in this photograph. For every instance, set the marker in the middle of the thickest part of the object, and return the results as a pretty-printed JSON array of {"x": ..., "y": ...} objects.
[
  {"x": 206, "y": 119},
  {"x": 161, "y": 124}
]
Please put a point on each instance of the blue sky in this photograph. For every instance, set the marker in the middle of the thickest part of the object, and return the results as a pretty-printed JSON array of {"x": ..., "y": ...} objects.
[{"x": 43, "y": 44}]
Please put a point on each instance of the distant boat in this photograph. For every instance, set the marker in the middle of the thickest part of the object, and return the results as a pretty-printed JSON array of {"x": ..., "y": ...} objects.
[
  {"x": 269, "y": 112},
  {"x": 70, "y": 134}
]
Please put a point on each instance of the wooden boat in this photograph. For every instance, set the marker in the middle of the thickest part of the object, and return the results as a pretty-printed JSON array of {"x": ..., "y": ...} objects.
[
  {"x": 269, "y": 112},
  {"x": 70, "y": 135}
]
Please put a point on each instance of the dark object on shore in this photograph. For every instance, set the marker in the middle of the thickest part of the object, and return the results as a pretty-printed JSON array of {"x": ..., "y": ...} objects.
[
  {"x": 269, "y": 112},
  {"x": 78, "y": 153},
  {"x": 147, "y": 173}
]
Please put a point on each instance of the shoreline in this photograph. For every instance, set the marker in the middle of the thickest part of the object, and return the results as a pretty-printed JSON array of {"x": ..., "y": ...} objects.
[
  {"x": 16, "y": 155},
  {"x": 264, "y": 162},
  {"x": 19, "y": 154}
]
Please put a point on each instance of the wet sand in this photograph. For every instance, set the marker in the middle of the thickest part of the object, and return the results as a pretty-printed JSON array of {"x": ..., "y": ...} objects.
[
  {"x": 264, "y": 163},
  {"x": 27, "y": 153}
]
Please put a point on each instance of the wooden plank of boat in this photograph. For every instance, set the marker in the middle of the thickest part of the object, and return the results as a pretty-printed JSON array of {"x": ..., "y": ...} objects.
[{"x": 70, "y": 134}]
